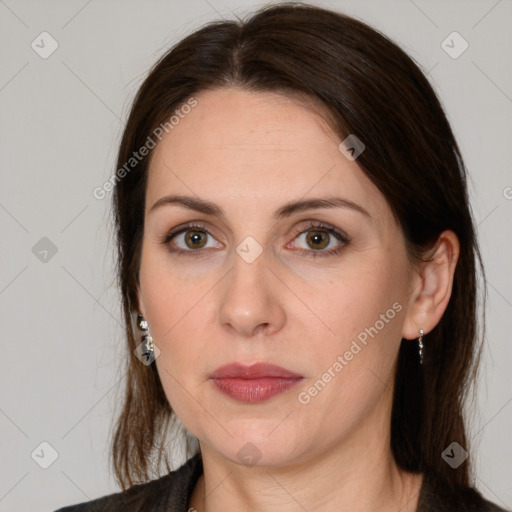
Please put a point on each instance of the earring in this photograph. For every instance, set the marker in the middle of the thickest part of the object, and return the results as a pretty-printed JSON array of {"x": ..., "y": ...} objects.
[
  {"x": 146, "y": 338},
  {"x": 420, "y": 346}
]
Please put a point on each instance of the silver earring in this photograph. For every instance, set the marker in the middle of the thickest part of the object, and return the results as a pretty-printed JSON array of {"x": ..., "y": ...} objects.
[
  {"x": 420, "y": 346},
  {"x": 146, "y": 338}
]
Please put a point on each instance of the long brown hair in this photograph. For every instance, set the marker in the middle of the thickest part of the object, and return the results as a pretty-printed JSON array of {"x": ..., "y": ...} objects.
[{"x": 372, "y": 89}]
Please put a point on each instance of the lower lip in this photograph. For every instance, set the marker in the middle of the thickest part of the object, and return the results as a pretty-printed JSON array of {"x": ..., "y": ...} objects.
[{"x": 255, "y": 390}]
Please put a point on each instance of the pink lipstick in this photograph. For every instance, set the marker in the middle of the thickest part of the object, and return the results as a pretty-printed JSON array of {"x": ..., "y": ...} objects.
[{"x": 255, "y": 383}]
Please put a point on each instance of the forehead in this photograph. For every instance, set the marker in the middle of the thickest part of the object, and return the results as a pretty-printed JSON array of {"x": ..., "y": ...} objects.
[
  {"x": 233, "y": 121},
  {"x": 256, "y": 148}
]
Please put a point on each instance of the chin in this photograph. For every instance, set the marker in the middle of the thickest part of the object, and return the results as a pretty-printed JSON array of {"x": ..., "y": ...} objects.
[{"x": 256, "y": 443}]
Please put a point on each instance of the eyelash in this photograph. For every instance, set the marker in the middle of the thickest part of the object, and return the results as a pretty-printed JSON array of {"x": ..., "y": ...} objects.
[{"x": 317, "y": 226}]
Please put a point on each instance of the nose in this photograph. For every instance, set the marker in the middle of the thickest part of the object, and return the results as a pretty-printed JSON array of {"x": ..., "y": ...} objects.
[{"x": 252, "y": 299}]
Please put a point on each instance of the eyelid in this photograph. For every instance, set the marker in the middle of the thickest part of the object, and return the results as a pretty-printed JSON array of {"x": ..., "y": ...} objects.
[{"x": 188, "y": 226}]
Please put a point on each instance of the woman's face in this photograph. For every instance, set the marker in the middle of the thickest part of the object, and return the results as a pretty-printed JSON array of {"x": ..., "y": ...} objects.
[{"x": 246, "y": 287}]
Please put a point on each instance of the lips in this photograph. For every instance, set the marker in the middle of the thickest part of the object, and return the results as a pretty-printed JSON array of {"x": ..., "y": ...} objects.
[
  {"x": 256, "y": 371},
  {"x": 255, "y": 383}
]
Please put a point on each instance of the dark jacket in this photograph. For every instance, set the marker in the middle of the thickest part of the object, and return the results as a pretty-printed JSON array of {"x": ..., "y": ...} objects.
[{"x": 171, "y": 493}]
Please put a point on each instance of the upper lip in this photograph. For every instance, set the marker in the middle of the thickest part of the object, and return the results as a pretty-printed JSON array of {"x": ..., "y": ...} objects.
[{"x": 255, "y": 371}]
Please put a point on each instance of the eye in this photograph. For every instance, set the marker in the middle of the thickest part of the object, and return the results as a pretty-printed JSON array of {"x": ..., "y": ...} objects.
[
  {"x": 188, "y": 239},
  {"x": 321, "y": 240}
]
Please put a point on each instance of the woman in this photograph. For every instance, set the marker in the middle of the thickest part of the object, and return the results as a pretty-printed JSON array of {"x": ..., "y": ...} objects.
[{"x": 297, "y": 260}]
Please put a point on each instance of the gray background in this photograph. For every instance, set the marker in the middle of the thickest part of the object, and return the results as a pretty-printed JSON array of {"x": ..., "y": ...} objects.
[{"x": 61, "y": 122}]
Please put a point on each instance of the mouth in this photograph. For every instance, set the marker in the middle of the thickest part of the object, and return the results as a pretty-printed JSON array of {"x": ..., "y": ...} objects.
[{"x": 253, "y": 384}]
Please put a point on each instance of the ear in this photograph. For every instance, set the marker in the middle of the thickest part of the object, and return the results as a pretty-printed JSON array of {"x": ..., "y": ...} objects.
[{"x": 431, "y": 287}]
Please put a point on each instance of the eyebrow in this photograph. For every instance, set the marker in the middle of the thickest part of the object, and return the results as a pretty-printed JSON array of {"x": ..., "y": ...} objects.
[{"x": 209, "y": 208}]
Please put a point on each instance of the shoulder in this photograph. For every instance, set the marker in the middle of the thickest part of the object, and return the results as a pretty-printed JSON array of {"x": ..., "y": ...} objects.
[
  {"x": 437, "y": 496},
  {"x": 170, "y": 493}
]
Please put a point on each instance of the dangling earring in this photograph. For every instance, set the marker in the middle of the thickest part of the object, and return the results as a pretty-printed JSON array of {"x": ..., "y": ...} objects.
[
  {"x": 149, "y": 352},
  {"x": 420, "y": 346}
]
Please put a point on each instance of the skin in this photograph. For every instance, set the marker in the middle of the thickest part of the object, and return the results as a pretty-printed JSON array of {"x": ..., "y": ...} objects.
[{"x": 250, "y": 153}]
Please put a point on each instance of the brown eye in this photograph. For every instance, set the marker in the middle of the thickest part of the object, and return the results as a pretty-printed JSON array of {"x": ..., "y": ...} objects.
[
  {"x": 190, "y": 240},
  {"x": 317, "y": 239},
  {"x": 320, "y": 239},
  {"x": 195, "y": 239}
]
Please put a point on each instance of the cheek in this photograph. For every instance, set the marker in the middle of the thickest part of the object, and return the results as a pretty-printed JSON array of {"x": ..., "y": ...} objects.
[
  {"x": 173, "y": 310},
  {"x": 360, "y": 297},
  {"x": 169, "y": 296},
  {"x": 353, "y": 365}
]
